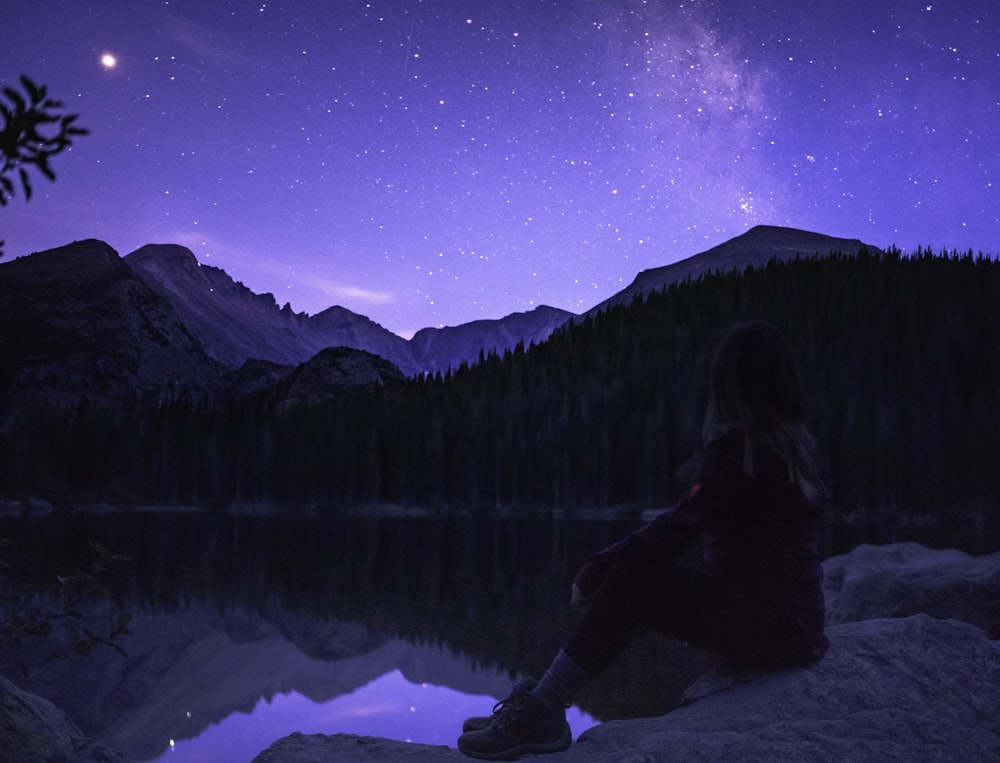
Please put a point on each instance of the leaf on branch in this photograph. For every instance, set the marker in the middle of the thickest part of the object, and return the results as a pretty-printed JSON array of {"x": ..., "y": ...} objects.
[
  {"x": 25, "y": 183},
  {"x": 43, "y": 167},
  {"x": 22, "y": 143},
  {"x": 36, "y": 93},
  {"x": 15, "y": 97}
]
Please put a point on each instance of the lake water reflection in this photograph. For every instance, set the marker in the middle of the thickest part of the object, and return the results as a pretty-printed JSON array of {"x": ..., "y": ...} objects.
[
  {"x": 249, "y": 628},
  {"x": 390, "y": 706}
]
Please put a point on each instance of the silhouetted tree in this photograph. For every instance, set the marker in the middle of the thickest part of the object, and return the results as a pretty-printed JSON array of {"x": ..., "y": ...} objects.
[
  {"x": 898, "y": 354},
  {"x": 33, "y": 132}
]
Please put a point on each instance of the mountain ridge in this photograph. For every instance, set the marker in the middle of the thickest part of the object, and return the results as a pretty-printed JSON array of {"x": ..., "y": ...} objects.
[
  {"x": 84, "y": 322},
  {"x": 237, "y": 325},
  {"x": 431, "y": 349},
  {"x": 754, "y": 248},
  {"x": 78, "y": 322}
]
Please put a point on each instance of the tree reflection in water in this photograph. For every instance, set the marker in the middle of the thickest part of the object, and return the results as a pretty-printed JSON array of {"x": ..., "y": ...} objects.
[{"x": 232, "y": 609}]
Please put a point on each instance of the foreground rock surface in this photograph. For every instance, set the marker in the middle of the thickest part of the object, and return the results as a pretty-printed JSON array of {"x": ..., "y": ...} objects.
[
  {"x": 903, "y": 579},
  {"x": 915, "y": 689},
  {"x": 34, "y": 730}
]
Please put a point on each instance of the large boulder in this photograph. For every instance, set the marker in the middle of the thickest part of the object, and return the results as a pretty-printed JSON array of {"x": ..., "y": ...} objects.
[
  {"x": 915, "y": 688},
  {"x": 33, "y": 730},
  {"x": 903, "y": 579}
]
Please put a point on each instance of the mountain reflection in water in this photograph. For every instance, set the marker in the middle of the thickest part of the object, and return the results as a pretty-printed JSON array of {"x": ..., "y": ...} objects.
[
  {"x": 238, "y": 620},
  {"x": 390, "y": 706}
]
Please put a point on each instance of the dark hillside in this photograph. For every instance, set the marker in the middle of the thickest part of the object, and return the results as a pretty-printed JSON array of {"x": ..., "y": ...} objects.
[
  {"x": 899, "y": 355},
  {"x": 77, "y": 321}
]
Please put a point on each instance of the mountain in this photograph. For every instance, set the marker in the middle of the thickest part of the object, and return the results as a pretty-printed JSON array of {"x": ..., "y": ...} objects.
[
  {"x": 339, "y": 327},
  {"x": 754, "y": 248},
  {"x": 437, "y": 349},
  {"x": 80, "y": 321},
  {"x": 236, "y": 325},
  {"x": 332, "y": 368},
  {"x": 77, "y": 322}
]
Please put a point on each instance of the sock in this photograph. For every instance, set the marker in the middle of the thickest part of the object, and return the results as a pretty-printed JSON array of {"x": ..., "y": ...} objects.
[{"x": 561, "y": 682}]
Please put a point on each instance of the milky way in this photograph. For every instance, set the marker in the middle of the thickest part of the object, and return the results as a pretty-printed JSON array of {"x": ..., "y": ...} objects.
[{"x": 431, "y": 163}]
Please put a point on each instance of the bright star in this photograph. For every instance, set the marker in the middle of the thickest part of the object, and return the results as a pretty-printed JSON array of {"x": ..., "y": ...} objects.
[{"x": 109, "y": 61}]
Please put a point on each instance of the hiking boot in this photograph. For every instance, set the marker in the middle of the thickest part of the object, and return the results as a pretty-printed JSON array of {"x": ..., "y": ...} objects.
[
  {"x": 522, "y": 725},
  {"x": 479, "y": 722}
]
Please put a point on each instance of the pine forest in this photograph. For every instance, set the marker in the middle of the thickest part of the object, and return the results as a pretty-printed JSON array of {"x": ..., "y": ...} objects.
[{"x": 899, "y": 356}]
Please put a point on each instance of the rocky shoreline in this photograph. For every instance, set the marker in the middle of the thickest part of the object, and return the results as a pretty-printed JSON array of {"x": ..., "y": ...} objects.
[
  {"x": 915, "y": 689},
  {"x": 913, "y": 673}
]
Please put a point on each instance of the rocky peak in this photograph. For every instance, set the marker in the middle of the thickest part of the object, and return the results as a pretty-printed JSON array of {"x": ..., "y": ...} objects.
[
  {"x": 79, "y": 323},
  {"x": 90, "y": 260},
  {"x": 755, "y": 248},
  {"x": 163, "y": 257},
  {"x": 334, "y": 368}
]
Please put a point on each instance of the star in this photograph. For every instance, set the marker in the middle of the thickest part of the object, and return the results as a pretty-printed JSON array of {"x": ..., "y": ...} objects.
[{"x": 605, "y": 127}]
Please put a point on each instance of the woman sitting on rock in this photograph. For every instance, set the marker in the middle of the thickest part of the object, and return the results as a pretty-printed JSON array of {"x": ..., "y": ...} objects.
[{"x": 757, "y": 601}]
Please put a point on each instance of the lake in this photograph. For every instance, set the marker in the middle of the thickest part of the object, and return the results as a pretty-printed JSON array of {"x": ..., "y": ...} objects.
[{"x": 247, "y": 628}]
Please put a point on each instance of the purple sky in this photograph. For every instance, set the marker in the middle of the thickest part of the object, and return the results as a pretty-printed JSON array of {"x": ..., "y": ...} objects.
[{"x": 432, "y": 162}]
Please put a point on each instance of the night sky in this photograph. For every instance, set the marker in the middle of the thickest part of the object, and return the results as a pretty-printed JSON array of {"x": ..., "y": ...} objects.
[{"x": 426, "y": 162}]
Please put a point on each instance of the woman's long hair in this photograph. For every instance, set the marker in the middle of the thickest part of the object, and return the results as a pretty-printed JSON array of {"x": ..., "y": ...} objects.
[{"x": 754, "y": 385}]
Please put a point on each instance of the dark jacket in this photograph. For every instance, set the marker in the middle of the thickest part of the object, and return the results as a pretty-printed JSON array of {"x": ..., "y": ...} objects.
[{"x": 758, "y": 532}]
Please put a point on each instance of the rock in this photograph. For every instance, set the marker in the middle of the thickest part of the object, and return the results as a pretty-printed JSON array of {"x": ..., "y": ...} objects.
[
  {"x": 905, "y": 689},
  {"x": 902, "y": 579},
  {"x": 34, "y": 730},
  {"x": 351, "y": 748},
  {"x": 915, "y": 689}
]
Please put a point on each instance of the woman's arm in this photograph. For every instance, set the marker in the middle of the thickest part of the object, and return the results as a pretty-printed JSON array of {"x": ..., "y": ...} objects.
[{"x": 715, "y": 487}]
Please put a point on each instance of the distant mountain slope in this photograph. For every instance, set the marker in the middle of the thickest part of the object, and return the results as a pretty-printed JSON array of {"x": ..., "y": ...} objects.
[
  {"x": 437, "y": 349},
  {"x": 333, "y": 368},
  {"x": 82, "y": 320},
  {"x": 339, "y": 327},
  {"x": 78, "y": 322},
  {"x": 232, "y": 322},
  {"x": 236, "y": 325},
  {"x": 755, "y": 247}
]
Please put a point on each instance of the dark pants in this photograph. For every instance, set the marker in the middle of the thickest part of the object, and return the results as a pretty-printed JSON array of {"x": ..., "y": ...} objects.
[{"x": 696, "y": 607}]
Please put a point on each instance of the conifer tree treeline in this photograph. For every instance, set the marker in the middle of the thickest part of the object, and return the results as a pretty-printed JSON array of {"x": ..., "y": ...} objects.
[{"x": 899, "y": 354}]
